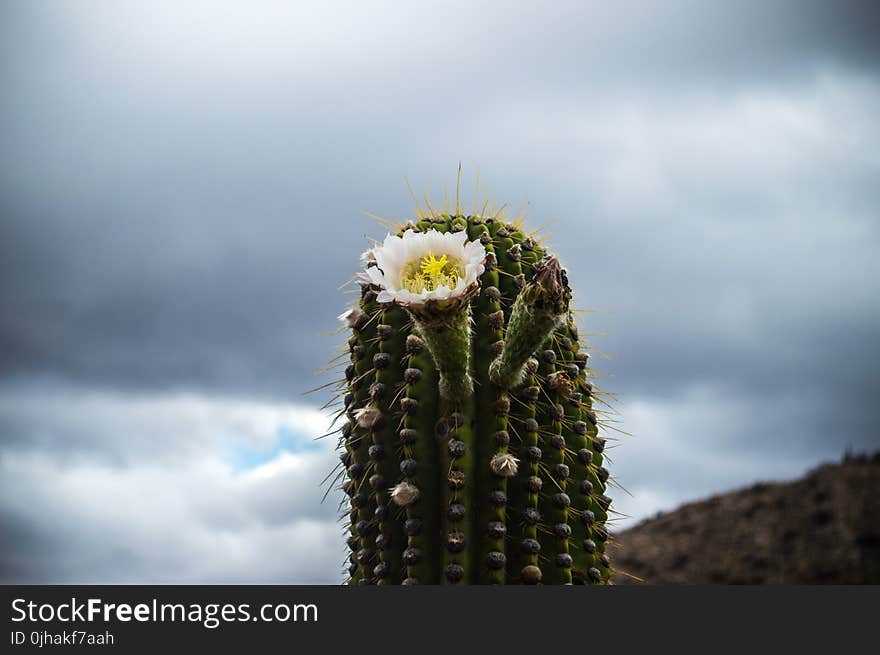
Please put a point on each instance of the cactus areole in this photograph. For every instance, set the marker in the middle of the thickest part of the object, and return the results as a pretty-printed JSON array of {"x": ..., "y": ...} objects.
[{"x": 471, "y": 447}]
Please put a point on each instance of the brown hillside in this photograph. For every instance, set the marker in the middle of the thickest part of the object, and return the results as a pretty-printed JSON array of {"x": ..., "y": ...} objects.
[{"x": 821, "y": 529}]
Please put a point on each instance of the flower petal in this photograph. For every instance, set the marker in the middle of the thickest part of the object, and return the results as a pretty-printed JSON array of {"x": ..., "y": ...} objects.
[{"x": 396, "y": 253}]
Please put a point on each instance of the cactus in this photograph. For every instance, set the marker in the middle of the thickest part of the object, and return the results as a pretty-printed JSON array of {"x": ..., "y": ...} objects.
[{"x": 470, "y": 445}]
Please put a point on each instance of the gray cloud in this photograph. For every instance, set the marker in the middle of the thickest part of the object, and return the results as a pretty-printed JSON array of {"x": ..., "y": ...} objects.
[
  {"x": 103, "y": 487},
  {"x": 181, "y": 193}
]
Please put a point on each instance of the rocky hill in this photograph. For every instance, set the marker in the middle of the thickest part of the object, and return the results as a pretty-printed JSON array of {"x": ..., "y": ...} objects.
[{"x": 821, "y": 529}]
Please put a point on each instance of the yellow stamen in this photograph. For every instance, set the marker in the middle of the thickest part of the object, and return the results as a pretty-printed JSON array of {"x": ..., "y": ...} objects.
[
  {"x": 429, "y": 273},
  {"x": 433, "y": 267}
]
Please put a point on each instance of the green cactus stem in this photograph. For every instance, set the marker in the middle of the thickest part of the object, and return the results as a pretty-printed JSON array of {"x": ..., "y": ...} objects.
[
  {"x": 537, "y": 310},
  {"x": 471, "y": 449},
  {"x": 445, "y": 327}
]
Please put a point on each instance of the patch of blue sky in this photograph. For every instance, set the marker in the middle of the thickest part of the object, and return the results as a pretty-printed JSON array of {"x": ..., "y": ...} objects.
[{"x": 246, "y": 455}]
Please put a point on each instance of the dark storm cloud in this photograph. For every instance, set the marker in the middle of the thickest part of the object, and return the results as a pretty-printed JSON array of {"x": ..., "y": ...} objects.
[
  {"x": 182, "y": 188},
  {"x": 171, "y": 222}
]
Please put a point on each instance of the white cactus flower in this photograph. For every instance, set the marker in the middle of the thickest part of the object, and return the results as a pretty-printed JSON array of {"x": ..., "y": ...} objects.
[
  {"x": 504, "y": 465},
  {"x": 423, "y": 266},
  {"x": 404, "y": 494}
]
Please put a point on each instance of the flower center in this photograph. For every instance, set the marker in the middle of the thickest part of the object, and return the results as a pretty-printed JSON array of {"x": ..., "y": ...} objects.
[{"x": 428, "y": 272}]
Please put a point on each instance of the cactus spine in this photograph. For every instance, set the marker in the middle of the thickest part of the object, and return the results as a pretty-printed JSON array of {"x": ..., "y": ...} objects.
[{"x": 489, "y": 472}]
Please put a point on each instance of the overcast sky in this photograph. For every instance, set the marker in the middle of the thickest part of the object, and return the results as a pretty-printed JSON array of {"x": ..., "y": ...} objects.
[{"x": 183, "y": 187}]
